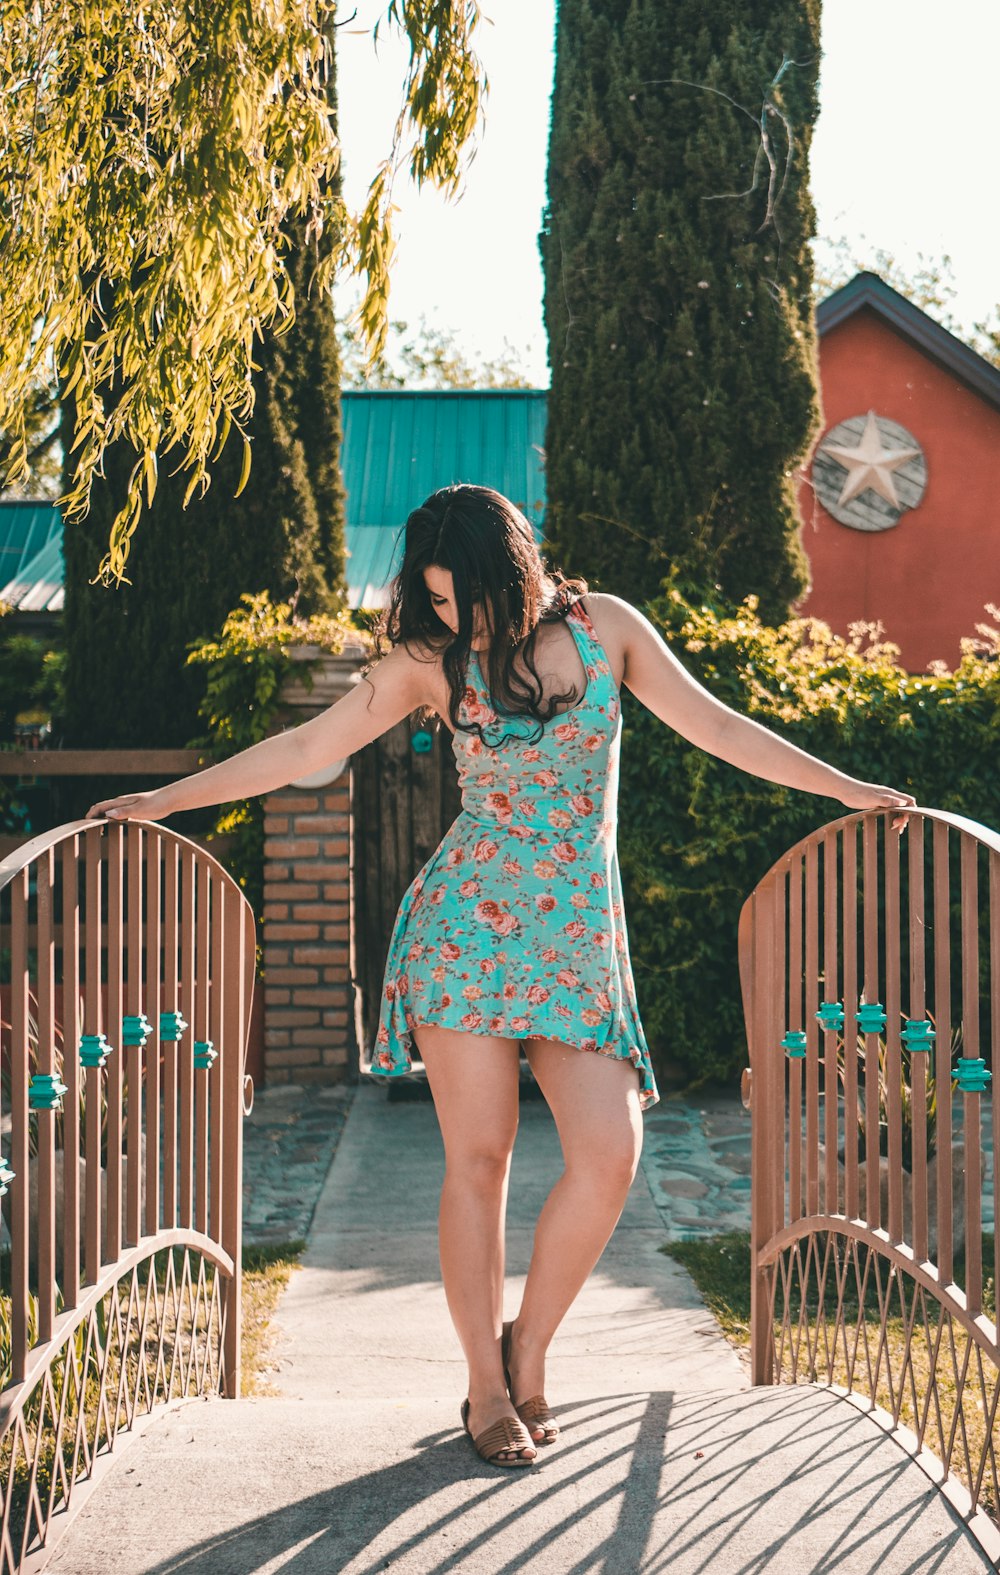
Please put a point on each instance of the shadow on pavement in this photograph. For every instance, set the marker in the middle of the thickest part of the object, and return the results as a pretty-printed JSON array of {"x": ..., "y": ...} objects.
[{"x": 648, "y": 1483}]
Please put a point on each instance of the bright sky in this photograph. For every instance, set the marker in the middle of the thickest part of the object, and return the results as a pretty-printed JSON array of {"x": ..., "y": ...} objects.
[{"x": 903, "y": 159}]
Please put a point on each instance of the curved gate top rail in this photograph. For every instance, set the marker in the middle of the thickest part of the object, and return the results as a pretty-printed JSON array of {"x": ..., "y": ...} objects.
[
  {"x": 126, "y": 977},
  {"x": 870, "y": 969}
]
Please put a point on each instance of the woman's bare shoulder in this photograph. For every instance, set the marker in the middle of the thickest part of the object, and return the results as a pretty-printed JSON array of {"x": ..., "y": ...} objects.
[
  {"x": 424, "y": 664},
  {"x": 411, "y": 666},
  {"x": 611, "y": 618}
]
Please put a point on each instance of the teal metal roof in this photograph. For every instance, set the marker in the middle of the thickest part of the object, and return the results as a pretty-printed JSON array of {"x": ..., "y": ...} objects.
[
  {"x": 399, "y": 446},
  {"x": 31, "y": 560}
]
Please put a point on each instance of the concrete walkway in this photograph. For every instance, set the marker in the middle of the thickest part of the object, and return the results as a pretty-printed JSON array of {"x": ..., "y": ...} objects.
[{"x": 669, "y": 1460}]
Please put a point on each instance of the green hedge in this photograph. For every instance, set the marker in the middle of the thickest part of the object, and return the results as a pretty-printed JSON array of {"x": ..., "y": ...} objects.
[{"x": 696, "y": 835}]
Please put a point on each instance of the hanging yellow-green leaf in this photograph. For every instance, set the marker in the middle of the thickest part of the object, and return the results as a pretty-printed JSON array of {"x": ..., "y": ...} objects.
[{"x": 150, "y": 161}]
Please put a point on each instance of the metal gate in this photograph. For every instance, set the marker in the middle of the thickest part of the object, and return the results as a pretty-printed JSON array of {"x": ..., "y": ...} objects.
[{"x": 404, "y": 796}]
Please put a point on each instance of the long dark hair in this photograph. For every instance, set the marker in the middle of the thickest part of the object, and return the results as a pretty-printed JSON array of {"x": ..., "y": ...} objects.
[{"x": 489, "y": 548}]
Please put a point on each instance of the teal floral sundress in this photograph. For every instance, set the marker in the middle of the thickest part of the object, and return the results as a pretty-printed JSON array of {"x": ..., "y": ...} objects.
[{"x": 515, "y": 926}]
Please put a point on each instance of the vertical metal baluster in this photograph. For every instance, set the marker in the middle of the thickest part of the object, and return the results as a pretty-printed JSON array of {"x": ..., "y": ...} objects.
[
  {"x": 45, "y": 1064},
  {"x": 831, "y": 992},
  {"x": 72, "y": 1029},
  {"x": 154, "y": 1006},
  {"x": 114, "y": 1067},
  {"x": 873, "y": 1202},
  {"x": 812, "y": 1037},
  {"x": 796, "y": 1191},
  {"x": 893, "y": 1057},
  {"x": 185, "y": 1055},
  {"x": 132, "y": 1054},
  {"x": 918, "y": 1009},
  {"x": 20, "y": 1030},
  {"x": 97, "y": 1022},
  {"x": 203, "y": 933},
  {"x": 942, "y": 1049},
  {"x": 766, "y": 1169},
  {"x": 174, "y": 1000},
  {"x": 971, "y": 1110},
  {"x": 214, "y": 1083},
  {"x": 849, "y": 1031},
  {"x": 235, "y": 1010},
  {"x": 779, "y": 958}
]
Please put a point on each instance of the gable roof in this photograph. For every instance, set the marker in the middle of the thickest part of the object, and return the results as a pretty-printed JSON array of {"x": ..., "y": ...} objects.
[
  {"x": 868, "y": 291},
  {"x": 399, "y": 446}
]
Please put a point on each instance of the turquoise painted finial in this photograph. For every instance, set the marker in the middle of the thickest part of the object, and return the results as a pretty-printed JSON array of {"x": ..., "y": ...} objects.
[
  {"x": 871, "y": 1017},
  {"x": 172, "y": 1025},
  {"x": 136, "y": 1029},
  {"x": 45, "y": 1091},
  {"x": 204, "y": 1052},
  {"x": 918, "y": 1034},
  {"x": 421, "y": 742},
  {"x": 93, "y": 1050},
  {"x": 794, "y": 1044},
  {"x": 831, "y": 1015},
  {"x": 973, "y": 1077}
]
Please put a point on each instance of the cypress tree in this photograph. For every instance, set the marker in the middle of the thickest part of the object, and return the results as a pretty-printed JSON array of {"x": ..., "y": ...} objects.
[
  {"x": 677, "y": 293},
  {"x": 127, "y": 683}
]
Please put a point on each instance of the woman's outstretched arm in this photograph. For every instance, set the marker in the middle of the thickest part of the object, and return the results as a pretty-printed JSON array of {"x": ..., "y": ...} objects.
[
  {"x": 396, "y": 685},
  {"x": 664, "y": 686}
]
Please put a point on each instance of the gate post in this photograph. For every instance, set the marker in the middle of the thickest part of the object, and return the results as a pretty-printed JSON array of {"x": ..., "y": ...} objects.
[
  {"x": 766, "y": 1125},
  {"x": 309, "y": 1007}
]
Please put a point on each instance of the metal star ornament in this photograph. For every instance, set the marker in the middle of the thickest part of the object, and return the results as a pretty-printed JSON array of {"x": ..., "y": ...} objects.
[
  {"x": 870, "y": 464},
  {"x": 868, "y": 472}
]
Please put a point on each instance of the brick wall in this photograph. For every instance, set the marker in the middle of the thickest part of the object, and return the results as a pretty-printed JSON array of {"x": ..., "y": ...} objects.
[{"x": 310, "y": 1003}]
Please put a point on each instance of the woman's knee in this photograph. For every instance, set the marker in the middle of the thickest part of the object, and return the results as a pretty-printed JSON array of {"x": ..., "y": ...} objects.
[
  {"x": 611, "y": 1167},
  {"x": 481, "y": 1163}
]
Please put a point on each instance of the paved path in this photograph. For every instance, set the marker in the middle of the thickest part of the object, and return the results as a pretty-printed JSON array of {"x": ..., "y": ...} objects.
[
  {"x": 696, "y": 1157},
  {"x": 669, "y": 1460}
]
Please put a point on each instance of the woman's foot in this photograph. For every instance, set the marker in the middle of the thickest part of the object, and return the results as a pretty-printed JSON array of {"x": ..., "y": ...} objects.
[
  {"x": 524, "y": 1369},
  {"x": 497, "y": 1433}
]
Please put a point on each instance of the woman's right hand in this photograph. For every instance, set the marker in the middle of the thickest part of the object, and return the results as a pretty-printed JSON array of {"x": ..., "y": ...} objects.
[{"x": 130, "y": 806}]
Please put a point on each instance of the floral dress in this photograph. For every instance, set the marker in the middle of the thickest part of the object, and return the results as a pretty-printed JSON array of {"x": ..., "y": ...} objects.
[{"x": 515, "y": 926}]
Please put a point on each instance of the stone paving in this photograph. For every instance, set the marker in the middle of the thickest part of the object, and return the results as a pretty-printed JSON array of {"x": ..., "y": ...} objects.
[
  {"x": 289, "y": 1140},
  {"x": 696, "y": 1159}
]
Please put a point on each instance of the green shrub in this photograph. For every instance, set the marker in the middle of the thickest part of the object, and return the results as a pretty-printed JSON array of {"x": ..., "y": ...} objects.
[
  {"x": 696, "y": 834},
  {"x": 245, "y": 669},
  {"x": 32, "y": 676}
]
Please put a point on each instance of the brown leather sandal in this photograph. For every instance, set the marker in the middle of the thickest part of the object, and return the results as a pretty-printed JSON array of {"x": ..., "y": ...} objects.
[
  {"x": 534, "y": 1413},
  {"x": 500, "y": 1438}
]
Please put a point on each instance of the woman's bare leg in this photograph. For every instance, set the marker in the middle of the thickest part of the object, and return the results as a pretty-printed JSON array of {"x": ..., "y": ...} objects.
[
  {"x": 474, "y": 1081},
  {"x": 595, "y": 1102}
]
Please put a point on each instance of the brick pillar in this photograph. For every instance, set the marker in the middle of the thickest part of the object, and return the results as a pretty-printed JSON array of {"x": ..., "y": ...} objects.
[{"x": 310, "y": 1023}]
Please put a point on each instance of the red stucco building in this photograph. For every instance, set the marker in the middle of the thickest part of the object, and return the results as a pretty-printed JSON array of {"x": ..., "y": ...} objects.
[{"x": 901, "y": 497}]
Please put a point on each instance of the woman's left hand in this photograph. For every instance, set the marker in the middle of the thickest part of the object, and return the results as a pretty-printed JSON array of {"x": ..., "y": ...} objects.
[{"x": 873, "y": 795}]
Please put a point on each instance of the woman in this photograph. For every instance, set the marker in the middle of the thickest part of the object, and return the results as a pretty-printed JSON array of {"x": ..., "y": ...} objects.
[{"x": 513, "y": 934}]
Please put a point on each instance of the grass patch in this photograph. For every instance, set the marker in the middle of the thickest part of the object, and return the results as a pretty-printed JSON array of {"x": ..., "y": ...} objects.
[
  {"x": 720, "y": 1268},
  {"x": 266, "y": 1272}
]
